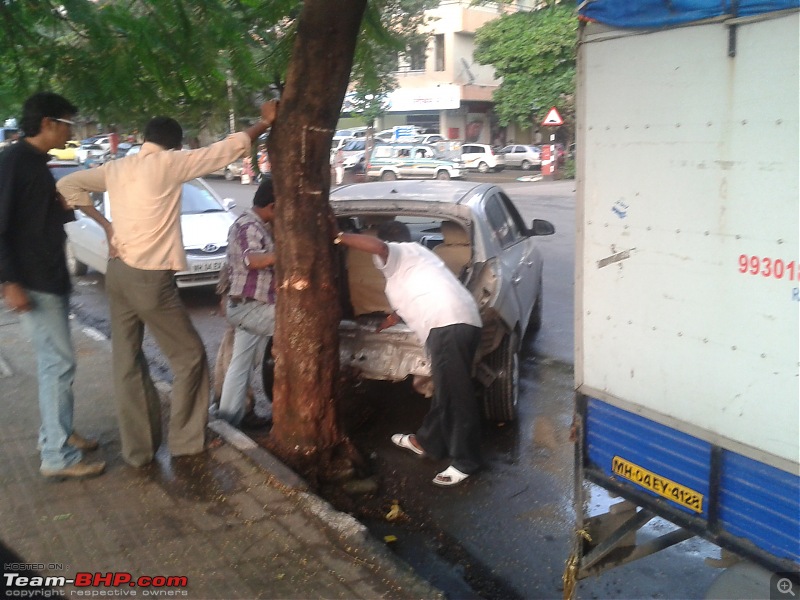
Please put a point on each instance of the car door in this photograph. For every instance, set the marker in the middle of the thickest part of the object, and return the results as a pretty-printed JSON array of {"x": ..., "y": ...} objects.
[
  {"x": 87, "y": 239},
  {"x": 520, "y": 279},
  {"x": 508, "y": 155},
  {"x": 424, "y": 163},
  {"x": 471, "y": 154}
]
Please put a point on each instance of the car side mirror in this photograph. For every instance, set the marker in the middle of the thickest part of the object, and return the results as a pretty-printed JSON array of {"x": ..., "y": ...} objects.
[
  {"x": 541, "y": 227},
  {"x": 229, "y": 203}
]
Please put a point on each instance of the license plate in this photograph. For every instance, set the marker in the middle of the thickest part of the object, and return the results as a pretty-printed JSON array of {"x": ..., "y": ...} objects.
[{"x": 207, "y": 266}]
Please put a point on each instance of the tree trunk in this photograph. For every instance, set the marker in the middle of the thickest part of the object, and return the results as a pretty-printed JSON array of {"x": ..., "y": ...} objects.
[{"x": 305, "y": 428}]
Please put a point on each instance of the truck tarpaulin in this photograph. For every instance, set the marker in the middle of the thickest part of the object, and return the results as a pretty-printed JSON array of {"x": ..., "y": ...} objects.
[{"x": 660, "y": 13}]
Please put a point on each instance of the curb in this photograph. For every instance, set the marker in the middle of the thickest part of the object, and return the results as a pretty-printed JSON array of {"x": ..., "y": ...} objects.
[{"x": 358, "y": 540}]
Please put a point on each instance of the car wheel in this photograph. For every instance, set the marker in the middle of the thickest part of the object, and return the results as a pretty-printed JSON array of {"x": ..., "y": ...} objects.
[
  {"x": 268, "y": 370},
  {"x": 443, "y": 175},
  {"x": 500, "y": 398},
  {"x": 229, "y": 176},
  {"x": 388, "y": 176},
  {"x": 483, "y": 167},
  {"x": 526, "y": 165},
  {"x": 74, "y": 266}
]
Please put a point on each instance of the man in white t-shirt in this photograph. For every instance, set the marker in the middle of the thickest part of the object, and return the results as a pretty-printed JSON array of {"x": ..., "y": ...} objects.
[{"x": 442, "y": 313}]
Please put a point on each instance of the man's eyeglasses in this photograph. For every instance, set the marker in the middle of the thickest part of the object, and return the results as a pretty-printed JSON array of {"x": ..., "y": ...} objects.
[{"x": 65, "y": 121}]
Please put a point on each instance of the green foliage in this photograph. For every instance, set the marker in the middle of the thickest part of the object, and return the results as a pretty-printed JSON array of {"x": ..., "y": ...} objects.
[
  {"x": 534, "y": 53},
  {"x": 124, "y": 61}
]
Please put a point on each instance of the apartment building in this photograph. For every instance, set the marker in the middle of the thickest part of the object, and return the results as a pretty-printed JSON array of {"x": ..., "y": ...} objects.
[{"x": 442, "y": 88}]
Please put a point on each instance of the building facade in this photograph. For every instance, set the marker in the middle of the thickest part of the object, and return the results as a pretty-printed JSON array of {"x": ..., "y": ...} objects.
[{"x": 445, "y": 90}]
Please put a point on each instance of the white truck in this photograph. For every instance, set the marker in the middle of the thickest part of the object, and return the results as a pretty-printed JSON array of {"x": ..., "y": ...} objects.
[{"x": 688, "y": 284}]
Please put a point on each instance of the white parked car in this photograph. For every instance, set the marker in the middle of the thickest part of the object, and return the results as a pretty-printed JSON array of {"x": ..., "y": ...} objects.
[
  {"x": 205, "y": 220},
  {"x": 522, "y": 156},
  {"x": 430, "y": 138},
  {"x": 482, "y": 158},
  {"x": 87, "y": 151}
]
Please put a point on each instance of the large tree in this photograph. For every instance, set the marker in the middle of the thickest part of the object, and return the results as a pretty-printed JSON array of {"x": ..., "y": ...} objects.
[
  {"x": 534, "y": 53},
  {"x": 305, "y": 428},
  {"x": 133, "y": 58}
]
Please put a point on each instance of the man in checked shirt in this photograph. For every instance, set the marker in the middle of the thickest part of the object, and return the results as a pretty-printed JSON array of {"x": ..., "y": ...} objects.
[{"x": 251, "y": 299}]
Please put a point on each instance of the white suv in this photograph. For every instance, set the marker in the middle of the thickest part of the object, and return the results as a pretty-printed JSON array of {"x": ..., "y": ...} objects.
[{"x": 482, "y": 158}]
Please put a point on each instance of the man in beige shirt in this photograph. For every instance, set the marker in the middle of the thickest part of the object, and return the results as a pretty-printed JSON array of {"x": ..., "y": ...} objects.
[{"x": 145, "y": 250}]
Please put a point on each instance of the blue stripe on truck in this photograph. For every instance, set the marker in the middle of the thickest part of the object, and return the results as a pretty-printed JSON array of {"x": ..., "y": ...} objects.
[
  {"x": 753, "y": 501},
  {"x": 762, "y": 504}
]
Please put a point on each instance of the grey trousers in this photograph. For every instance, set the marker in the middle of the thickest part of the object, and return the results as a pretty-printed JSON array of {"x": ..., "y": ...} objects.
[{"x": 150, "y": 298}]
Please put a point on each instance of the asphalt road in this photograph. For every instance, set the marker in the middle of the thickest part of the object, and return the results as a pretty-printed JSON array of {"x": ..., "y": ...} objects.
[{"x": 506, "y": 533}]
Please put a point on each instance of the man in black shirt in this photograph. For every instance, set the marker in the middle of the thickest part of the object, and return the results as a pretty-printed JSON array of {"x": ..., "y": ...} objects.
[{"x": 35, "y": 280}]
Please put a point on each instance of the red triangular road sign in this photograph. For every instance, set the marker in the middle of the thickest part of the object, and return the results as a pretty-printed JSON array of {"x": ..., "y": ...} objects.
[{"x": 553, "y": 118}]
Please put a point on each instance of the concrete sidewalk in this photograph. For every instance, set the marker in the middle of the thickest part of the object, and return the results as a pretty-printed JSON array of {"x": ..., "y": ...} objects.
[{"x": 234, "y": 522}]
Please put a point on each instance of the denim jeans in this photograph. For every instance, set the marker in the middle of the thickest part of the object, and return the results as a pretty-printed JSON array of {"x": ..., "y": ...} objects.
[
  {"x": 255, "y": 322},
  {"x": 47, "y": 324}
]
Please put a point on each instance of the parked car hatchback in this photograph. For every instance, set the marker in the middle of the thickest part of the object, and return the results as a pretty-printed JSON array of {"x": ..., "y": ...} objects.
[
  {"x": 482, "y": 158},
  {"x": 480, "y": 236},
  {"x": 205, "y": 220}
]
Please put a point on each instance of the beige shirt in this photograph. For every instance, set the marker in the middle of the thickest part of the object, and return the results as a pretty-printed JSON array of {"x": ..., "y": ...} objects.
[{"x": 144, "y": 192}]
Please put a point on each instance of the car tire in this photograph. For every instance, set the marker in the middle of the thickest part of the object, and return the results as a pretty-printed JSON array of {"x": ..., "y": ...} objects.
[
  {"x": 268, "y": 370},
  {"x": 74, "y": 266},
  {"x": 442, "y": 175},
  {"x": 388, "y": 176},
  {"x": 483, "y": 167},
  {"x": 229, "y": 176},
  {"x": 525, "y": 165},
  {"x": 500, "y": 398}
]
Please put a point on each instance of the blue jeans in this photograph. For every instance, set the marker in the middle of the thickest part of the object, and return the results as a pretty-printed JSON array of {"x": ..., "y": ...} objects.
[
  {"x": 255, "y": 322},
  {"x": 47, "y": 324}
]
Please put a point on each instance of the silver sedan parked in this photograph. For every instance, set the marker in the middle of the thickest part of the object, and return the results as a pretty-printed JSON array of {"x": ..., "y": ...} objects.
[
  {"x": 478, "y": 233},
  {"x": 521, "y": 156}
]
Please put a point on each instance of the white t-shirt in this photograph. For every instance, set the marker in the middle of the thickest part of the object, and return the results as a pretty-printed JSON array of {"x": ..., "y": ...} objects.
[{"x": 423, "y": 291}]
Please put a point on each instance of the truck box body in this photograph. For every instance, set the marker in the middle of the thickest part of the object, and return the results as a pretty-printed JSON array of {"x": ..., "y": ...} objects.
[{"x": 688, "y": 268}]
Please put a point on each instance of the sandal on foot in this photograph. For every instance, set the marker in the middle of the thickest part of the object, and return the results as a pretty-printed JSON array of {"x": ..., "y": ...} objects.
[
  {"x": 450, "y": 476},
  {"x": 403, "y": 440}
]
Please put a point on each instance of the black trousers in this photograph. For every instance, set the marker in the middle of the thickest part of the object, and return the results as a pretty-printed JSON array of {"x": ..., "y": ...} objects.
[{"x": 452, "y": 426}]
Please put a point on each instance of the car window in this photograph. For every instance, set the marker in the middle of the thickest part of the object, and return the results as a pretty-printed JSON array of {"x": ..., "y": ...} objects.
[
  {"x": 468, "y": 149},
  {"x": 499, "y": 221},
  {"x": 196, "y": 199},
  {"x": 517, "y": 224}
]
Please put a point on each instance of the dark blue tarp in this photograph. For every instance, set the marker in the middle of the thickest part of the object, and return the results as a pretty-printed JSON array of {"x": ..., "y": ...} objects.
[{"x": 661, "y": 13}]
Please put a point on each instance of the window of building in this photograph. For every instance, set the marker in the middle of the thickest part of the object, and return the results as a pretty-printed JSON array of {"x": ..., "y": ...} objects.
[{"x": 438, "y": 42}]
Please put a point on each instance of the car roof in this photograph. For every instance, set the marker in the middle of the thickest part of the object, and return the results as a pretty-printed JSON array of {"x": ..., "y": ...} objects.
[{"x": 418, "y": 190}]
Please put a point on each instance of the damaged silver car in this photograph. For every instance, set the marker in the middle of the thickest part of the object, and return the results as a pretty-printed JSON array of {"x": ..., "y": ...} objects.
[{"x": 478, "y": 233}]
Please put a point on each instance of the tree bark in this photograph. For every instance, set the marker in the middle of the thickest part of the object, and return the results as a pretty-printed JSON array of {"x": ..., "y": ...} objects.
[{"x": 305, "y": 427}]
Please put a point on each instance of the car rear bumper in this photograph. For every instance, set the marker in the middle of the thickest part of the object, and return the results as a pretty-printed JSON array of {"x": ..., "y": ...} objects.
[{"x": 389, "y": 355}]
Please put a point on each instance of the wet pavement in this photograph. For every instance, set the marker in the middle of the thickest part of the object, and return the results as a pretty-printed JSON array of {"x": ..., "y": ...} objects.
[{"x": 230, "y": 523}]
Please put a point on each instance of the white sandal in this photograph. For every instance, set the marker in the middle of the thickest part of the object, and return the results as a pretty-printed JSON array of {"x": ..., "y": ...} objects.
[
  {"x": 449, "y": 477},
  {"x": 403, "y": 440}
]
